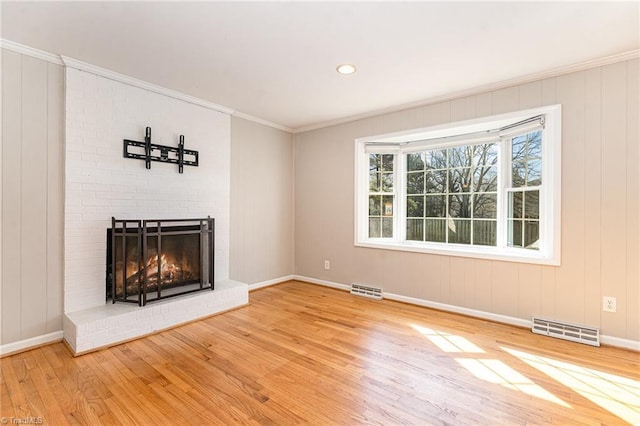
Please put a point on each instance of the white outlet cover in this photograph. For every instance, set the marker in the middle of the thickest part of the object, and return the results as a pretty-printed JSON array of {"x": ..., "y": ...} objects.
[{"x": 609, "y": 304}]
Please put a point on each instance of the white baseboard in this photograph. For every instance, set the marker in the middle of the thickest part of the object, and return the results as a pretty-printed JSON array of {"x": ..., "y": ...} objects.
[
  {"x": 505, "y": 319},
  {"x": 274, "y": 281},
  {"x": 331, "y": 284},
  {"x": 460, "y": 310},
  {"x": 620, "y": 343},
  {"x": 31, "y": 343}
]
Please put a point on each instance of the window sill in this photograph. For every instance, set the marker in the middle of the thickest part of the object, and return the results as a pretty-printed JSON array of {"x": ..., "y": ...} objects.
[{"x": 488, "y": 253}]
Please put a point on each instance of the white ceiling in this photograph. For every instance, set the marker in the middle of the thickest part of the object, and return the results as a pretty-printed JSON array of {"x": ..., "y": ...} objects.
[{"x": 276, "y": 60}]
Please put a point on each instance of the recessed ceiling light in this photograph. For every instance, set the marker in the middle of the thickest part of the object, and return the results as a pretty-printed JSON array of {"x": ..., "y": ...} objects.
[{"x": 346, "y": 69}]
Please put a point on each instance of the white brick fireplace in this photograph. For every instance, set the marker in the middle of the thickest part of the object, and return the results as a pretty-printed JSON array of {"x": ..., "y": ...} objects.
[{"x": 101, "y": 183}]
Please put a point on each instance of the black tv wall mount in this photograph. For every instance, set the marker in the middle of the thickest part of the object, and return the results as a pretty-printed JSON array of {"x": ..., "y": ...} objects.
[{"x": 165, "y": 154}]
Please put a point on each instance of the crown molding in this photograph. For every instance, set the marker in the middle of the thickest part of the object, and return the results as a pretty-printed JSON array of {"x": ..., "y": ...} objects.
[
  {"x": 261, "y": 121},
  {"x": 122, "y": 78},
  {"x": 112, "y": 75},
  {"x": 83, "y": 66},
  {"x": 30, "y": 51},
  {"x": 625, "y": 56}
]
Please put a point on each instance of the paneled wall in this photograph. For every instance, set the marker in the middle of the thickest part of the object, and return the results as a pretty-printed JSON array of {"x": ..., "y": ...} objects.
[
  {"x": 261, "y": 202},
  {"x": 32, "y": 196},
  {"x": 600, "y": 219}
]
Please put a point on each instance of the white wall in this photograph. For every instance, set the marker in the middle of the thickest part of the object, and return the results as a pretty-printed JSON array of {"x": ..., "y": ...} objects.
[
  {"x": 600, "y": 208},
  {"x": 261, "y": 202},
  {"x": 100, "y": 183}
]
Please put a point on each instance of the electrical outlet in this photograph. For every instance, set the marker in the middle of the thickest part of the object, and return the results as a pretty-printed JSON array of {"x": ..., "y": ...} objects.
[
  {"x": 327, "y": 265},
  {"x": 609, "y": 304}
]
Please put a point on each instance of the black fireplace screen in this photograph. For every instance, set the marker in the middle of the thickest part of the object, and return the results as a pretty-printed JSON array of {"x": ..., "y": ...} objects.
[{"x": 149, "y": 260}]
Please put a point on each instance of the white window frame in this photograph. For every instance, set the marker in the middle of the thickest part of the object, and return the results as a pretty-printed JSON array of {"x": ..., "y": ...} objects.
[
  {"x": 396, "y": 201},
  {"x": 432, "y": 137}
]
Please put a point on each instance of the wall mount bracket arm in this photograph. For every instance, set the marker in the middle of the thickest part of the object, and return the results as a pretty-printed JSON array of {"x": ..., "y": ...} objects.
[{"x": 149, "y": 152}]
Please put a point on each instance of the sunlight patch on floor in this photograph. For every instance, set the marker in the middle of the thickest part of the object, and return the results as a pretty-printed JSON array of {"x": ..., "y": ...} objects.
[
  {"x": 496, "y": 371},
  {"x": 619, "y": 395},
  {"x": 490, "y": 370},
  {"x": 448, "y": 342}
]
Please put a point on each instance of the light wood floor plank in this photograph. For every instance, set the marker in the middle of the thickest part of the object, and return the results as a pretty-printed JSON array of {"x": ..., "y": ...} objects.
[{"x": 305, "y": 354}]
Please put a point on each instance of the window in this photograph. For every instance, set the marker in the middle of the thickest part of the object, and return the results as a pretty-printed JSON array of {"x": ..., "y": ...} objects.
[
  {"x": 381, "y": 177},
  {"x": 452, "y": 195},
  {"x": 486, "y": 188},
  {"x": 524, "y": 191}
]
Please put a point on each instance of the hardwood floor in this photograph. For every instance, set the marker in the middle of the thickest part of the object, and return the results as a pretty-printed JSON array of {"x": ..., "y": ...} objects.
[{"x": 302, "y": 353}]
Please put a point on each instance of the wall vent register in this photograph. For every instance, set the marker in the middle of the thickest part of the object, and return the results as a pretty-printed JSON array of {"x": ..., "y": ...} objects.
[
  {"x": 371, "y": 292},
  {"x": 566, "y": 331}
]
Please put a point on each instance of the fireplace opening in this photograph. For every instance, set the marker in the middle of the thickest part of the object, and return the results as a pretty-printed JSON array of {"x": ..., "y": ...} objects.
[{"x": 150, "y": 260}]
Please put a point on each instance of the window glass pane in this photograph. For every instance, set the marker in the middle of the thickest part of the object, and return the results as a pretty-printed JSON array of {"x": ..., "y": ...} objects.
[
  {"x": 374, "y": 162},
  {"x": 515, "y": 204},
  {"x": 374, "y": 182},
  {"x": 526, "y": 164},
  {"x": 415, "y": 183},
  {"x": 436, "y": 181},
  {"x": 518, "y": 174},
  {"x": 514, "y": 233},
  {"x": 519, "y": 148},
  {"x": 460, "y": 205},
  {"x": 375, "y": 206},
  {"x": 435, "y": 206},
  {"x": 415, "y": 229},
  {"x": 374, "y": 227},
  {"x": 485, "y": 206},
  {"x": 531, "y": 234},
  {"x": 435, "y": 230},
  {"x": 461, "y": 156},
  {"x": 387, "y": 182},
  {"x": 381, "y": 179},
  {"x": 484, "y": 232},
  {"x": 459, "y": 231},
  {"x": 387, "y": 227},
  {"x": 387, "y": 205},
  {"x": 460, "y": 180},
  {"x": 485, "y": 179},
  {"x": 532, "y": 204},
  {"x": 485, "y": 154},
  {"x": 534, "y": 144},
  {"x": 387, "y": 162},
  {"x": 415, "y": 206},
  {"x": 534, "y": 172},
  {"x": 436, "y": 159},
  {"x": 415, "y": 161}
]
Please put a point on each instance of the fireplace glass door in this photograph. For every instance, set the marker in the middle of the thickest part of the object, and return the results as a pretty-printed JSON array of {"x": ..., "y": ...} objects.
[{"x": 154, "y": 262}]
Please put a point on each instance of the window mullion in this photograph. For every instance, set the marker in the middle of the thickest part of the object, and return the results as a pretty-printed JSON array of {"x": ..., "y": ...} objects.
[
  {"x": 401, "y": 193},
  {"x": 504, "y": 183}
]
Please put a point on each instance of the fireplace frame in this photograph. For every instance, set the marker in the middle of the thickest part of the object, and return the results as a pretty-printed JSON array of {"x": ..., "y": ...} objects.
[{"x": 142, "y": 230}]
